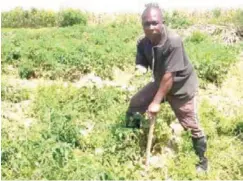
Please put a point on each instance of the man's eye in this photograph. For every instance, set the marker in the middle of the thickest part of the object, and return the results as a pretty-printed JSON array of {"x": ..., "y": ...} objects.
[
  {"x": 146, "y": 24},
  {"x": 154, "y": 23}
]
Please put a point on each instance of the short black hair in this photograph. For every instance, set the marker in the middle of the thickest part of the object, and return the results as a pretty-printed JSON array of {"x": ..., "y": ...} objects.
[{"x": 152, "y": 6}]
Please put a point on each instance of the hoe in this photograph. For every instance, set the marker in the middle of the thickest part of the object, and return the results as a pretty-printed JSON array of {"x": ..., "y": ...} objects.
[{"x": 149, "y": 142}]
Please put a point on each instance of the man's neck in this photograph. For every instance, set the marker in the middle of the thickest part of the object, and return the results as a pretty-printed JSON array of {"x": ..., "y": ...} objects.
[
  {"x": 160, "y": 41},
  {"x": 157, "y": 40}
]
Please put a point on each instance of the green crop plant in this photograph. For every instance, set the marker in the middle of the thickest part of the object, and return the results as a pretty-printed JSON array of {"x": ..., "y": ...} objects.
[
  {"x": 80, "y": 134},
  {"x": 51, "y": 53},
  {"x": 210, "y": 58}
]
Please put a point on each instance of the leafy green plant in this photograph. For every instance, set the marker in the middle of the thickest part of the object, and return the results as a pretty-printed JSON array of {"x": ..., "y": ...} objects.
[
  {"x": 216, "y": 12},
  {"x": 177, "y": 20},
  {"x": 238, "y": 18},
  {"x": 197, "y": 37},
  {"x": 27, "y": 71},
  {"x": 215, "y": 122},
  {"x": 210, "y": 58},
  {"x": 69, "y": 17},
  {"x": 13, "y": 94},
  {"x": 80, "y": 134},
  {"x": 54, "y": 52},
  {"x": 14, "y": 18},
  {"x": 35, "y": 18}
]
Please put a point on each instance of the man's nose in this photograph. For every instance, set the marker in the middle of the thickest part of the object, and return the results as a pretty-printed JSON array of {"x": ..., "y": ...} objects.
[{"x": 151, "y": 27}]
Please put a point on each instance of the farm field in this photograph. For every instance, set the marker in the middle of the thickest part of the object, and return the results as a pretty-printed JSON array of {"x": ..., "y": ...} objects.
[{"x": 66, "y": 82}]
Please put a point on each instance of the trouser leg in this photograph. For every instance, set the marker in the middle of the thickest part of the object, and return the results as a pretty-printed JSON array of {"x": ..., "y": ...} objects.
[
  {"x": 186, "y": 113},
  {"x": 139, "y": 104}
]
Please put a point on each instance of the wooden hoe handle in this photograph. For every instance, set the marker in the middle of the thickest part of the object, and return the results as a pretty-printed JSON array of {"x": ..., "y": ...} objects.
[{"x": 149, "y": 142}]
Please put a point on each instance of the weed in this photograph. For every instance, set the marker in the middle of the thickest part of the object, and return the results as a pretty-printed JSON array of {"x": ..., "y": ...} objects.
[{"x": 13, "y": 94}]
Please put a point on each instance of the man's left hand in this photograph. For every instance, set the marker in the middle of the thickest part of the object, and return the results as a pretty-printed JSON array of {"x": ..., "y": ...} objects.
[{"x": 153, "y": 109}]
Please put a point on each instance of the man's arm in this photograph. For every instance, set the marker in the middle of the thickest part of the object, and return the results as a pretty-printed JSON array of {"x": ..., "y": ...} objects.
[
  {"x": 164, "y": 87},
  {"x": 173, "y": 64}
]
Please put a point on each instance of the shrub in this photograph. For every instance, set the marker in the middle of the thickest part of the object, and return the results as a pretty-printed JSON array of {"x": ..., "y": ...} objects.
[
  {"x": 239, "y": 18},
  {"x": 238, "y": 21},
  {"x": 26, "y": 71},
  {"x": 71, "y": 17},
  {"x": 41, "y": 18},
  {"x": 177, "y": 20},
  {"x": 216, "y": 12},
  {"x": 197, "y": 37},
  {"x": 35, "y": 18},
  {"x": 14, "y": 18}
]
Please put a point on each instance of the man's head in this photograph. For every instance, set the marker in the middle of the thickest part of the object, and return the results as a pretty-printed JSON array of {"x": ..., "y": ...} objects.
[{"x": 153, "y": 22}]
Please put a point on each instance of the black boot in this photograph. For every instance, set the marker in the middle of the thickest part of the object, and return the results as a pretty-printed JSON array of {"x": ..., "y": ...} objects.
[
  {"x": 133, "y": 120},
  {"x": 200, "y": 147}
]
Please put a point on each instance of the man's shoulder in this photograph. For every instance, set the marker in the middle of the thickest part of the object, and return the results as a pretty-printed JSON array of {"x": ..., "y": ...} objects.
[
  {"x": 141, "y": 40},
  {"x": 174, "y": 39}
]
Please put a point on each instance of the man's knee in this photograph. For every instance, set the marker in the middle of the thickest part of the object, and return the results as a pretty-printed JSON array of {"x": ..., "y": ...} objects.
[
  {"x": 144, "y": 96},
  {"x": 137, "y": 101},
  {"x": 138, "y": 104}
]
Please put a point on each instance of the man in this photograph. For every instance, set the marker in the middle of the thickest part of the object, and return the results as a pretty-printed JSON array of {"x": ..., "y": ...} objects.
[{"x": 174, "y": 81}]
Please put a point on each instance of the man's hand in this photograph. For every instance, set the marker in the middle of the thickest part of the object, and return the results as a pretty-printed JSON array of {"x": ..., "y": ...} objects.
[{"x": 153, "y": 109}]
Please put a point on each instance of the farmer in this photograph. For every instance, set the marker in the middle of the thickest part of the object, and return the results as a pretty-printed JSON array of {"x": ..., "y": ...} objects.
[{"x": 174, "y": 79}]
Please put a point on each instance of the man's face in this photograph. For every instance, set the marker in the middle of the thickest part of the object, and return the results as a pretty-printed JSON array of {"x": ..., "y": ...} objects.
[{"x": 152, "y": 24}]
